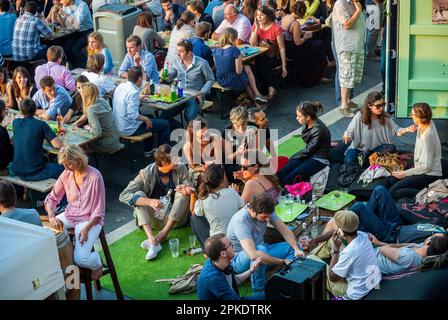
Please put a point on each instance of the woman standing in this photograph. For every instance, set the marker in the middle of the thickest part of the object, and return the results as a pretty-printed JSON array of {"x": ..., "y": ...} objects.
[
  {"x": 216, "y": 203},
  {"x": 99, "y": 115},
  {"x": 145, "y": 30},
  {"x": 20, "y": 88},
  {"x": 316, "y": 153},
  {"x": 371, "y": 130},
  {"x": 97, "y": 46},
  {"x": 85, "y": 210},
  {"x": 230, "y": 71},
  {"x": 308, "y": 54},
  {"x": 267, "y": 33},
  {"x": 256, "y": 179},
  {"x": 184, "y": 29},
  {"x": 427, "y": 156}
]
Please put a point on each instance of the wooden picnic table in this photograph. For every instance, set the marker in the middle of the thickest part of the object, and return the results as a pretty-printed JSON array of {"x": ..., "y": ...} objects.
[
  {"x": 212, "y": 43},
  {"x": 79, "y": 138},
  {"x": 57, "y": 35},
  {"x": 158, "y": 106}
]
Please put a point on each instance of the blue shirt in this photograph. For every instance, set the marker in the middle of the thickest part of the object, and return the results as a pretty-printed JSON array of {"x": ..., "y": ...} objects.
[
  {"x": 407, "y": 258},
  {"x": 126, "y": 109},
  {"x": 29, "y": 134},
  {"x": 177, "y": 12},
  {"x": 108, "y": 61},
  {"x": 198, "y": 76},
  {"x": 62, "y": 101},
  {"x": 24, "y": 215},
  {"x": 148, "y": 63},
  {"x": 81, "y": 13},
  {"x": 7, "y": 21},
  {"x": 213, "y": 284},
  {"x": 211, "y": 5},
  {"x": 200, "y": 49}
]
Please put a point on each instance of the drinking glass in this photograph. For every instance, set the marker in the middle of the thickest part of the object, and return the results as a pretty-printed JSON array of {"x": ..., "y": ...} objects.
[
  {"x": 193, "y": 241},
  {"x": 282, "y": 202},
  {"x": 289, "y": 201},
  {"x": 174, "y": 247}
]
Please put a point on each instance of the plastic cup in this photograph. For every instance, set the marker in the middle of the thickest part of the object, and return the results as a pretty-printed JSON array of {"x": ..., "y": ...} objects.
[
  {"x": 174, "y": 247},
  {"x": 337, "y": 194},
  {"x": 304, "y": 242},
  {"x": 193, "y": 241}
]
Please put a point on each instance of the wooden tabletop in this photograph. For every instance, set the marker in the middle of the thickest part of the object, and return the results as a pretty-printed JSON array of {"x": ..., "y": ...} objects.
[
  {"x": 79, "y": 138},
  {"x": 58, "y": 35}
]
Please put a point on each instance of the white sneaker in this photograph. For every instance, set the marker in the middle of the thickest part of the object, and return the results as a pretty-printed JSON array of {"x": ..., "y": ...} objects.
[
  {"x": 145, "y": 244},
  {"x": 152, "y": 251}
]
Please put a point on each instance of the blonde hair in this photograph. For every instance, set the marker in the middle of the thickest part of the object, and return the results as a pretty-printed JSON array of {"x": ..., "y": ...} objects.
[
  {"x": 89, "y": 94},
  {"x": 75, "y": 154},
  {"x": 229, "y": 36},
  {"x": 99, "y": 38},
  {"x": 239, "y": 115}
]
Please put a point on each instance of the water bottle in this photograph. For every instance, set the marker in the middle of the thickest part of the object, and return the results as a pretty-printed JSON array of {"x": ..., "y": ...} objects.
[
  {"x": 173, "y": 91},
  {"x": 180, "y": 89},
  {"x": 304, "y": 238},
  {"x": 151, "y": 87},
  {"x": 314, "y": 229}
]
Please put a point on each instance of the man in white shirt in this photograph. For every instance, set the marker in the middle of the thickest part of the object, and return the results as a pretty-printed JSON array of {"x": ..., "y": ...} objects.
[
  {"x": 127, "y": 117},
  {"x": 233, "y": 19},
  {"x": 357, "y": 263}
]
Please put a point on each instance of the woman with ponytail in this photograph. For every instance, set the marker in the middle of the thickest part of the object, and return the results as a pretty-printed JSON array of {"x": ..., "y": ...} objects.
[
  {"x": 257, "y": 177},
  {"x": 216, "y": 203},
  {"x": 184, "y": 29},
  {"x": 316, "y": 153}
]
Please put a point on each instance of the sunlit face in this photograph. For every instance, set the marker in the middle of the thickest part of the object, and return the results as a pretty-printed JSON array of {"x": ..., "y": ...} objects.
[
  {"x": 70, "y": 165},
  {"x": 228, "y": 248},
  {"x": 93, "y": 44},
  {"x": 301, "y": 118},
  {"x": 415, "y": 118},
  {"x": 377, "y": 107},
  {"x": 182, "y": 53},
  {"x": 132, "y": 48},
  {"x": 79, "y": 86},
  {"x": 21, "y": 80},
  {"x": 168, "y": 167},
  {"x": 262, "y": 217},
  {"x": 261, "y": 17},
  {"x": 248, "y": 169},
  {"x": 65, "y": 3},
  {"x": 202, "y": 136},
  {"x": 50, "y": 92},
  {"x": 229, "y": 15},
  {"x": 261, "y": 120},
  {"x": 167, "y": 6}
]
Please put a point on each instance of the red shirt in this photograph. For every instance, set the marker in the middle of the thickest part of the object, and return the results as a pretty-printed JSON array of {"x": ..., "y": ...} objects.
[{"x": 271, "y": 34}]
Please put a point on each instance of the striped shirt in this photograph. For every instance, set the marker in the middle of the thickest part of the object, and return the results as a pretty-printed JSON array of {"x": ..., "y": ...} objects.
[
  {"x": 26, "y": 42},
  {"x": 84, "y": 203}
]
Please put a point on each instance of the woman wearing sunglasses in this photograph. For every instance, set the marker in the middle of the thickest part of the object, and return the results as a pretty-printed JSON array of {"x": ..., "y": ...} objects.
[
  {"x": 371, "y": 130},
  {"x": 255, "y": 179}
]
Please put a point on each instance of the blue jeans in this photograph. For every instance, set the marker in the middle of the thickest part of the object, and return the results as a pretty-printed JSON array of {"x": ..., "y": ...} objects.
[
  {"x": 161, "y": 126},
  {"x": 351, "y": 155},
  {"x": 380, "y": 216},
  {"x": 51, "y": 170},
  {"x": 191, "y": 110},
  {"x": 305, "y": 168},
  {"x": 241, "y": 262}
]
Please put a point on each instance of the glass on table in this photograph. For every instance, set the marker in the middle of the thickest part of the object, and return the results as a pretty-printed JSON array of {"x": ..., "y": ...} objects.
[{"x": 289, "y": 201}]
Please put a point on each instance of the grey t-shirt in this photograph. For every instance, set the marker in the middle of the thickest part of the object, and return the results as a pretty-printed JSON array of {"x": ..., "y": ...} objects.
[
  {"x": 366, "y": 139},
  {"x": 24, "y": 215},
  {"x": 407, "y": 258},
  {"x": 218, "y": 208},
  {"x": 243, "y": 227},
  {"x": 348, "y": 40}
]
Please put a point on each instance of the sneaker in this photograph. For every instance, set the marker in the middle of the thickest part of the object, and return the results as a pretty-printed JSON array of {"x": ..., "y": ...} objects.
[
  {"x": 153, "y": 251},
  {"x": 346, "y": 112},
  {"x": 148, "y": 154},
  {"x": 145, "y": 244},
  {"x": 261, "y": 99},
  {"x": 353, "y": 105}
]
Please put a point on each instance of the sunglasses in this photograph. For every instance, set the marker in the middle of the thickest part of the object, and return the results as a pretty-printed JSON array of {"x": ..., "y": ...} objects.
[
  {"x": 244, "y": 168},
  {"x": 380, "y": 105}
]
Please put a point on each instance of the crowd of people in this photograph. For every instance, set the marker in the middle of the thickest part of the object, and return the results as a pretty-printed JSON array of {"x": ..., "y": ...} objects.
[{"x": 224, "y": 185}]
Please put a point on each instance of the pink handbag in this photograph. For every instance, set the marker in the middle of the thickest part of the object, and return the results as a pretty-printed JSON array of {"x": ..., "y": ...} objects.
[{"x": 299, "y": 189}]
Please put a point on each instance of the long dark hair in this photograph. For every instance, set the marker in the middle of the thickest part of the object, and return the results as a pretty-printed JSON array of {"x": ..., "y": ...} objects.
[
  {"x": 185, "y": 18},
  {"x": 249, "y": 155},
  {"x": 210, "y": 180},
  {"x": 15, "y": 86},
  {"x": 311, "y": 109},
  {"x": 366, "y": 113}
]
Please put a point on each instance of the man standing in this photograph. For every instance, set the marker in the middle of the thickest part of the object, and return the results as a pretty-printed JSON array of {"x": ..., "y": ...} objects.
[
  {"x": 195, "y": 74},
  {"x": 164, "y": 177},
  {"x": 170, "y": 14},
  {"x": 51, "y": 98},
  {"x": 126, "y": 111},
  {"x": 27, "y": 32},
  {"x": 7, "y": 21},
  {"x": 138, "y": 57},
  {"x": 233, "y": 19},
  {"x": 349, "y": 27},
  {"x": 218, "y": 280},
  {"x": 246, "y": 231}
]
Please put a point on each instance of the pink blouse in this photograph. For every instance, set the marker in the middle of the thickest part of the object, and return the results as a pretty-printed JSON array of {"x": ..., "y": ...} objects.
[{"x": 84, "y": 203}]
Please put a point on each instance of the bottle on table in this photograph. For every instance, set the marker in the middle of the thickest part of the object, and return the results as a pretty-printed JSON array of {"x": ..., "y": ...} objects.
[
  {"x": 165, "y": 73},
  {"x": 180, "y": 89},
  {"x": 173, "y": 91},
  {"x": 305, "y": 237},
  {"x": 314, "y": 228},
  {"x": 151, "y": 87},
  {"x": 60, "y": 122}
]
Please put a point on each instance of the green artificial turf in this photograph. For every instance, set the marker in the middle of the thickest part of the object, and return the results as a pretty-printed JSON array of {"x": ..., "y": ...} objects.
[{"x": 291, "y": 146}]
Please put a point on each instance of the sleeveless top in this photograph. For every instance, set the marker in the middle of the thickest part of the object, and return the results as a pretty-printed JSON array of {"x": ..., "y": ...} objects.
[
  {"x": 288, "y": 35},
  {"x": 274, "y": 193}
]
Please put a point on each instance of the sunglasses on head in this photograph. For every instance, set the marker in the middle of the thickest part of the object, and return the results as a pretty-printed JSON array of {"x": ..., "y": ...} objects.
[{"x": 244, "y": 168}]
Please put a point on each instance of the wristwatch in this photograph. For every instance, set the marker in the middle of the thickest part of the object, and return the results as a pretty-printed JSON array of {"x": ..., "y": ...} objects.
[{"x": 333, "y": 251}]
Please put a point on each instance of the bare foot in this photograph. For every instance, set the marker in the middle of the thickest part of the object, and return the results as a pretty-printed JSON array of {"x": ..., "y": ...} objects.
[{"x": 96, "y": 274}]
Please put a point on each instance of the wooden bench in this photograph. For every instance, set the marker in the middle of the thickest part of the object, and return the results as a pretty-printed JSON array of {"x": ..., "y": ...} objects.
[
  {"x": 42, "y": 186},
  {"x": 96, "y": 154},
  {"x": 220, "y": 92},
  {"x": 206, "y": 105},
  {"x": 130, "y": 140}
]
